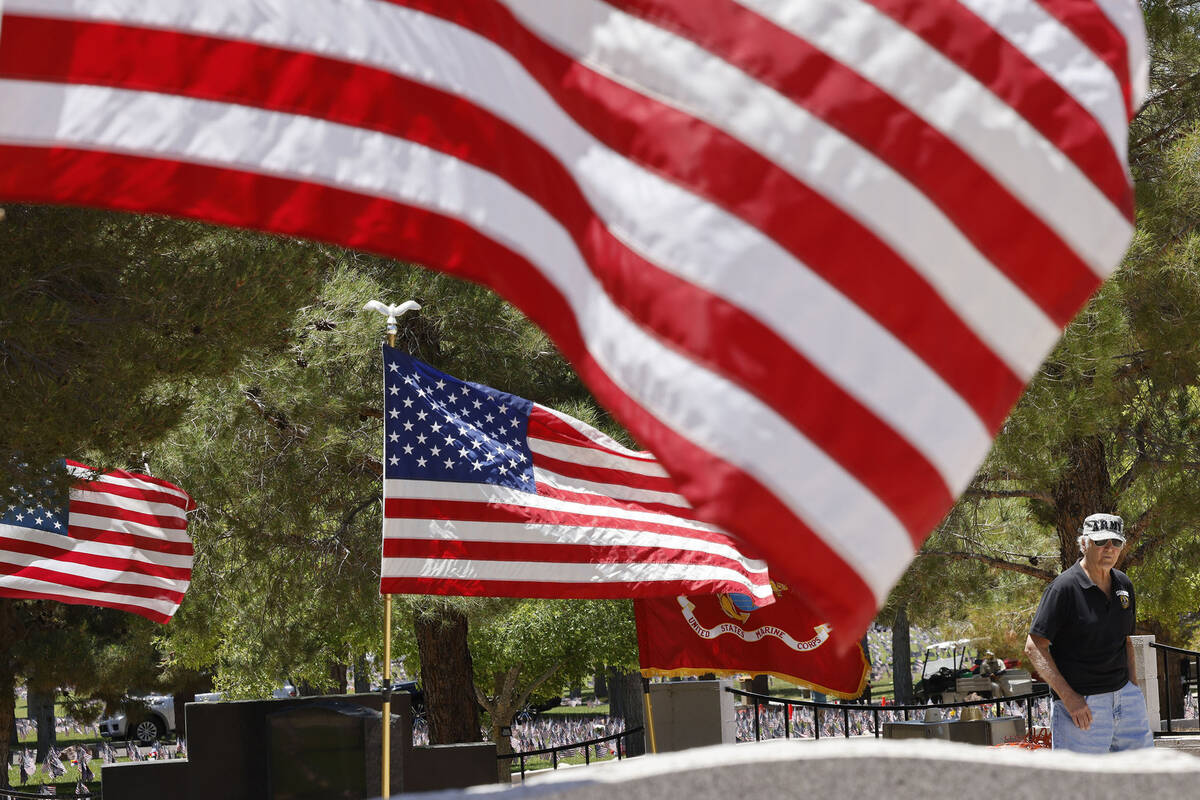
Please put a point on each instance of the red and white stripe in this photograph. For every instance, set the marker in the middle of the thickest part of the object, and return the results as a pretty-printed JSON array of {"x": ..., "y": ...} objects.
[
  {"x": 808, "y": 251},
  {"x": 605, "y": 521},
  {"x": 126, "y": 548}
]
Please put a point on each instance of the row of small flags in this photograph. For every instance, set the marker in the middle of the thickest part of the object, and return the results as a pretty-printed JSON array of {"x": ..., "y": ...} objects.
[{"x": 54, "y": 766}]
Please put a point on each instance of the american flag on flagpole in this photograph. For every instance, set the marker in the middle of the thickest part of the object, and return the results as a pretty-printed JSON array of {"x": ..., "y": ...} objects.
[
  {"x": 808, "y": 252},
  {"x": 489, "y": 494},
  {"x": 119, "y": 542}
]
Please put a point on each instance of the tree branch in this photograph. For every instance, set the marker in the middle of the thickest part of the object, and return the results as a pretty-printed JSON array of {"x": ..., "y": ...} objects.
[
  {"x": 1139, "y": 465},
  {"x": 275, "y": 417},
  {"x": 1159, "y": 95},
  {"x": 1146, "y": 545},
  {"x": 999, "y": 563},
  {"x": 344, "y": 528},
  {"x": 999, "y": 494},
  {"x": 538, "y": 681}
]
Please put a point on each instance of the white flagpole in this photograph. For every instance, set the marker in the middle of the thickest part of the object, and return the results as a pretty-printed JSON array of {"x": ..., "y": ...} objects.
[{"x": 391, "y": 312}]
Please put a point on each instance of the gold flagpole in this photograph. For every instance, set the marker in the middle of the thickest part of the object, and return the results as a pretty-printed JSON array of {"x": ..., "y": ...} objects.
[
  {"x": 387, "y": 694},
  {"x": 385, "y": 776},
  {"x": 649, "y": 714}
]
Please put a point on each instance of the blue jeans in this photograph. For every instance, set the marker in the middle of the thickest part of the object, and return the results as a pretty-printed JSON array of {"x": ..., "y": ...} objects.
[{"x": 1118, "y": 723}]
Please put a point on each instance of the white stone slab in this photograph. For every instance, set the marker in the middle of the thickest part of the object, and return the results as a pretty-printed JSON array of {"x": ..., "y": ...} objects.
[{"x": 920, "y": 770}]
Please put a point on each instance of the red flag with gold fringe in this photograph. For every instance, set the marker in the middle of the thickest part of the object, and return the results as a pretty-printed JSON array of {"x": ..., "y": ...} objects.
[{"x": 724, "y": 634}]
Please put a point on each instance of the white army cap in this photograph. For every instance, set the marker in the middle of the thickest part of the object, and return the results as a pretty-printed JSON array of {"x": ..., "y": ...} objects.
[{"x": 1103, "y": 526}]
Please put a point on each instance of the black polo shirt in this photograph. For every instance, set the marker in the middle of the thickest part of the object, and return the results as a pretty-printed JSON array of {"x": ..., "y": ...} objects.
[{"x": 1087, "y": 629}]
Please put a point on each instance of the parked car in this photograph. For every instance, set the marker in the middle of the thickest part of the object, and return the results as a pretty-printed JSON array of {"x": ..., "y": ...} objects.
[
  {"x": 148, "y": 719},
  {"x": 144, "y": 719}
]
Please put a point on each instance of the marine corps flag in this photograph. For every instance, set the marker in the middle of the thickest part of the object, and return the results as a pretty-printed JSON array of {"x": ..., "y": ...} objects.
[{"x": 726, "y": 635}]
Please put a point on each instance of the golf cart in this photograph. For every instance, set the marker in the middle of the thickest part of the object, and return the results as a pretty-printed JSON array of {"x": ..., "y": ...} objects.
[{"x": 950, "y": 674}]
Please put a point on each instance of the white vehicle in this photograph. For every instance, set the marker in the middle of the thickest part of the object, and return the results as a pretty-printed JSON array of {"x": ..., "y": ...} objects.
[
  {"x": 148, "y": 719},
  {"x": 145, "y": 719}
]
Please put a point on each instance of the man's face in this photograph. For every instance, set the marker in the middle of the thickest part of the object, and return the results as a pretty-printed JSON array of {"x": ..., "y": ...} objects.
[{"x": 1102, "y": 557}]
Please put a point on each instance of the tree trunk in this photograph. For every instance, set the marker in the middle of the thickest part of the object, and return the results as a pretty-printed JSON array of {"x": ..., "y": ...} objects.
[
  {"x": 902, "y": 686},
  {"x": 503, "y": 748},
  {"x": 362, "y": 676},
  {"x": 503, "y": 706},
  {"x": 8, "y": 686},
  {"x": 338, "y": 674},
  {"x": 447, "y": 676},
  {"x": 1085, "y": 487},
  {"x": 625, "y": 702},
  {"x": 41, "y": 710},
  {"x": 599, "y": 685}
]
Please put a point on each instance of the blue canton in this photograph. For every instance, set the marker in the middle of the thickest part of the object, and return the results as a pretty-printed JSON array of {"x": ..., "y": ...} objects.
[
  {"x": 38, "y": 513},
  {"x": 438, "y": 428}
]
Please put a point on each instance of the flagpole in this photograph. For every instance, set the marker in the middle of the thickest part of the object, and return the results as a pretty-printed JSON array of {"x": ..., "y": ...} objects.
[
  {"x": 386, "y": 771},
  {"x": 649, "y": 714},
  {"x": 385, "y": 776}
]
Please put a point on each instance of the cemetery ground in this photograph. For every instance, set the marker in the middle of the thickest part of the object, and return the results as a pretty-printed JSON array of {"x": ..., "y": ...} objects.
[{"x": 72, "y": 735}]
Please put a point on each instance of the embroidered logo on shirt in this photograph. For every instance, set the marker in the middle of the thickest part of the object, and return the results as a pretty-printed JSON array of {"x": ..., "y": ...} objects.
[{"x": 1123, "y": 596}]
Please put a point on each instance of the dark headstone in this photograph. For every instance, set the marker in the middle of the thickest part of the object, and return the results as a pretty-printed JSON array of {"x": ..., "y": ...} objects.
[{"x": 317, "y": 751}]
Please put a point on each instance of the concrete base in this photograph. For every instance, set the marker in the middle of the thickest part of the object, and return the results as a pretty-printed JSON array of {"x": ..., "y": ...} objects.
[
  {"x": 1183, "y": 744},
  {"x": 1145, "y": 665},
  {"x": 692, "y": 714},
  {"x": 919, "y": 770},
  {"x": 916, "y": 729}
]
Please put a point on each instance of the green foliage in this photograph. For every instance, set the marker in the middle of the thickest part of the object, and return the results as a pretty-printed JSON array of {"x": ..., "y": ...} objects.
[
  {"x": 572, "y": 637},
  {"x": 107, "y": 318}
]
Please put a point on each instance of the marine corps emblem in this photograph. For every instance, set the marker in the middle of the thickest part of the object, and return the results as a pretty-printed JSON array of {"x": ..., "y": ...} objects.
[{"x": 1123, "y": 596}]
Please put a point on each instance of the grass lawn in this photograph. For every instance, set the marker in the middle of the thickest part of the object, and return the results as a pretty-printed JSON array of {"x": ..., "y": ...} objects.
[
  {"x": 568, "y": 711},
  {"x": 789, "y": 690},
  {"x": 543, "y": 762},
  {"x": 64, "y": 785},
  {"x": 63, "y": 739}
]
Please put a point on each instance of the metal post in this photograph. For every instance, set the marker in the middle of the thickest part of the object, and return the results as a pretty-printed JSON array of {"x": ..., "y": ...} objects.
[
  {"x": 386, "y": 771},
  {"x": 875, "y": 713},
  {"x": 649, "y": 714},
  {"x": 787, "y": 720},
  {"x": 554, "y": 759},
  {"x": 846, "y": 721},
  {"x": 392, "y": 313},
  {"x": 817, "y": 721},
  {"x": 1167, "y": 672},
  {"x": 1029, "y": 715},
  {"x": 756, "y": 732}
]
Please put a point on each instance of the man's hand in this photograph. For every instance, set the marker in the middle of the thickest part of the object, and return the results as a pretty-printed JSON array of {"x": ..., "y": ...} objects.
[
  {"x": 1077, "y": 707},
  {"x": 1038, "y": 650}
]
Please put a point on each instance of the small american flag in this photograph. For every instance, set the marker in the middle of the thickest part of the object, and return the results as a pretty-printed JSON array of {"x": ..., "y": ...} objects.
[
  {"x": 120, "y": 542},
  {"x": 486, "y": 493}
]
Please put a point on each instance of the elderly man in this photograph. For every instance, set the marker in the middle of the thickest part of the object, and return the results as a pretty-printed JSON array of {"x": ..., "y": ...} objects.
[{"x": 1078, "y": 644}]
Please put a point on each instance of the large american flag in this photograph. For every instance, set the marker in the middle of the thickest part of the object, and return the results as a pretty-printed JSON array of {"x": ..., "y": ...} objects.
[
  {"x": 489, "y": 494},
  {"x": 807, "y": 251},
  {"x": 119, "y": 541}
]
